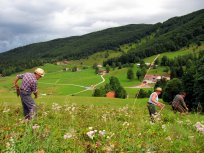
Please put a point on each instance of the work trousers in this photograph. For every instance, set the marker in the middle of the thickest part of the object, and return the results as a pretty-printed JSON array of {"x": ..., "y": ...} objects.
[{"x": 29, "y": 106}]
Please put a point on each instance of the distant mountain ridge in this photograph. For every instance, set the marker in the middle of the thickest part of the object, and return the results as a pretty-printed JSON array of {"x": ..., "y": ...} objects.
[{"x": 187, "y": 29}]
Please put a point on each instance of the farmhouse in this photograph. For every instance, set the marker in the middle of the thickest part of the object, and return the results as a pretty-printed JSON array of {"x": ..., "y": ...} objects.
[
  {"x": 102, "y": 72},
  {"x": 154, "y": 78},
  {"x": 147, "y": 64},
  {"x": 65, "y": 62}
]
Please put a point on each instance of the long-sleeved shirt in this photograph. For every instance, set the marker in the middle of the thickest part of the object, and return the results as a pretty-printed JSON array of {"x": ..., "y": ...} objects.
[
  {"x": 29, "y": 82},
  {"x": 178, "y": 100}
]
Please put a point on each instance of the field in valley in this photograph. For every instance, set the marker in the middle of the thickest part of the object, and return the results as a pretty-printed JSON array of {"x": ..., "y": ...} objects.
[{"x": 70, "y": 120}]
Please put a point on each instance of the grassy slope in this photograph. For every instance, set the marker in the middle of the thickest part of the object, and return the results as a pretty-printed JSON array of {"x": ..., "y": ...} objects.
[
  {"x": 128, "y": 121},
  {"x": 174, "y": 133}
]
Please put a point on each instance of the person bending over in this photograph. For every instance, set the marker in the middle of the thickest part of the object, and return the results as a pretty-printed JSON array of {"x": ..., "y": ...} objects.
[
  {"x": 179, "y": 104},
  {"x": 28, "y": 86}
]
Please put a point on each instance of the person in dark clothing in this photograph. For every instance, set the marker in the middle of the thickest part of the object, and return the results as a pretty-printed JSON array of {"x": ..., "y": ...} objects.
[
  {"x": 179, "y": 104},
  {"x": 28, "y": 86}
]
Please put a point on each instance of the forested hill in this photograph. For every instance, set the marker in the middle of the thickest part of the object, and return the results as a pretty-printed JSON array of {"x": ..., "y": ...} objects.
[{"x": 171, "y": 35}]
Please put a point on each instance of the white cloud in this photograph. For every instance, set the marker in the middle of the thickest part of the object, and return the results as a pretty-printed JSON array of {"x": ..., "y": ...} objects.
[{"x": 27, "y": 21}]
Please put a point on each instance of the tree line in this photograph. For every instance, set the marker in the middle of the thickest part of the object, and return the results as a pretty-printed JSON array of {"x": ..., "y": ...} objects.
[{"x": 187, "y": 73}]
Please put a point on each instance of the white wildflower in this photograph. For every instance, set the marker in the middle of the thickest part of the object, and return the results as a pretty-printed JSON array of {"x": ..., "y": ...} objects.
[
  {"x": 126, "y": 124},
  {"x": 90, "y": 128},
  {"x": 36, "y": 126},
  {"x": 91, "y": 134},
  {"x": 180, "y": 122},
  {"x": 44, "y": 114},
  {"x": 10, "y": 146},
  {"x": 68, "y": 136},
  {"x": 56, "y": 107},
  {"x": 199, "y": 127},
  {"x": 164, "y": 127},
  {"x": 168, "y": 138},
  {"x": 6, "y": 110},
  {"x": 102, "y": 133}
]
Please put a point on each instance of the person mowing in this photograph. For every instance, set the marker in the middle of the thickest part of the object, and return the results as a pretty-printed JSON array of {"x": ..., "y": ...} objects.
[
  {"x": 153, "y": 101},
  {"x": 28, "y": 86},
  {"x": 179, "y": 104}
]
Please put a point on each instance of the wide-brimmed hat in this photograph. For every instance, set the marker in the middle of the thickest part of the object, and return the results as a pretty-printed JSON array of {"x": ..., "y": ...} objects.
[{"x": 40, "y": 72}]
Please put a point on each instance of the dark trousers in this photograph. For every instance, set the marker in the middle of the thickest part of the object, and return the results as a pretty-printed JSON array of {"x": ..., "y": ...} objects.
[
  {"x": 29, "y": 106},
  {"x": 151, "y": 108},
  {"x": 152, "y": 111}
]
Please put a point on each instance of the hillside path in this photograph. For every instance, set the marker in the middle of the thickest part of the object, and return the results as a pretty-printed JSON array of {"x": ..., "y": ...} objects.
[{"x": 90, "y": 88}]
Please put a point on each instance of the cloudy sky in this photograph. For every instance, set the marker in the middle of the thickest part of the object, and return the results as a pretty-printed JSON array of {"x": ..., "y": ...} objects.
[{"x": 27, "y": 21}]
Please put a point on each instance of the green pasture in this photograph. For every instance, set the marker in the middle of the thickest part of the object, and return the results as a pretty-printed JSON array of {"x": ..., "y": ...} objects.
[
  {"x": 63, "y": 123},
  {"x": 96, "y": 58},
  {"x": 184, "y": 51}
]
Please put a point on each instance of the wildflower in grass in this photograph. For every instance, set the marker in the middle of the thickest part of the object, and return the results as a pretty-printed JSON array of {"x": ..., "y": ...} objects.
[
  {"x": 44, "y": 114},
  {"x": 164, "y": 127},
  {"x": 90, "y": 128},
  {"x": 109, "y": 148},
  {"x": 168, "y": 138},
  {"x": 199, "y": 127},
  {"x": 102, "y": 133},
  {"x": 56, "y": 107},
  {"x": 180, "y": 122},
  {"x": 104, "y": 117},
  {"x": 68, "y": 136},
  {"x": 10, "y": 146},
  {"x": 36, "y": 126},
  {"x": 6, "y": 110},
  {"x": 91, "y": 134},
  {"x": 126, "y": 124},
  {"x": 111, "y": 135}
]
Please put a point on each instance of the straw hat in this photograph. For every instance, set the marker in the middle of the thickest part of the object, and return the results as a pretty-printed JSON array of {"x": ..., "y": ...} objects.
[
  {"x": 158, "y": 89},
  {"x": 40, "y": 72}
]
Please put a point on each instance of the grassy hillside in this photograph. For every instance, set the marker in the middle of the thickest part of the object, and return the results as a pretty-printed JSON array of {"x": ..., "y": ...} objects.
[{"x": 64, "y": 124}]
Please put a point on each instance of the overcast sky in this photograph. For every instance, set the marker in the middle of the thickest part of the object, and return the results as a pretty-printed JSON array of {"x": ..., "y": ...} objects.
[{"x": 27, "y": 21}]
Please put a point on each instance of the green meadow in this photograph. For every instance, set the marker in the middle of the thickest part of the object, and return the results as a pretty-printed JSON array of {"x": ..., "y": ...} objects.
[{"x": 71, "y": 120}]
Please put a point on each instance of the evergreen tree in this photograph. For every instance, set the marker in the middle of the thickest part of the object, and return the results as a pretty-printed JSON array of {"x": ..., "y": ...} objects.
[
  {"x": 107, "y": 68},
  {"x": 114, "y": 83},
  {"x": 172, "y": 88},
  {"x": 130, "y": 74},
  {"x": 138, "y": 74},
  {"x": 142, "y": 94},
  {"x": 121, "y": 93}
]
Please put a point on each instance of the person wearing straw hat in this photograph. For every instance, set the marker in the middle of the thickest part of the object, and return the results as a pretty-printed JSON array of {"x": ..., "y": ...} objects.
[
  {"x": 153, "y": 101},
  {"x": 28, "y": 86}
]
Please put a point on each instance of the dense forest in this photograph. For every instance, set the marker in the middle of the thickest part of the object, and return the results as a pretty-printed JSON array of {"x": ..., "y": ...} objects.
[
  {"x": 187, "y": 74},
  {"x": 171, "y": 35}
]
